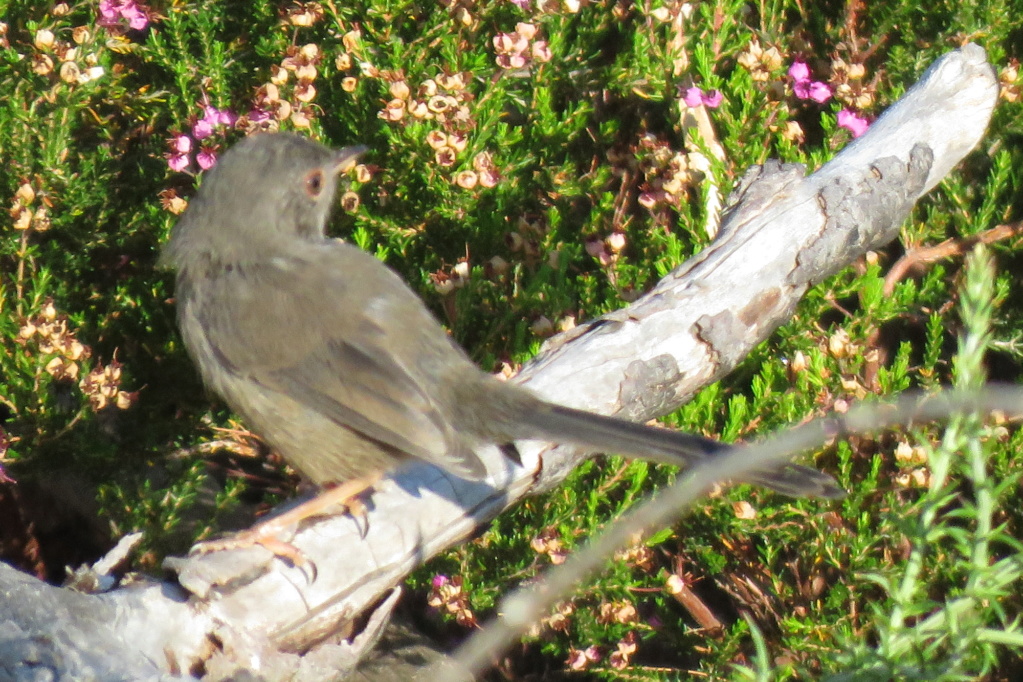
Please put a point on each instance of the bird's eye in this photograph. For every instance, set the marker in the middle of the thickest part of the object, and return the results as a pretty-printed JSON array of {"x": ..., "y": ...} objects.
[{"x": 314, "y": 184}]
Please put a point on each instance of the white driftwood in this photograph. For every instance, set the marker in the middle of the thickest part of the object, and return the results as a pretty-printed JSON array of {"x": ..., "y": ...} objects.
[{"x": 246, "y": 610}]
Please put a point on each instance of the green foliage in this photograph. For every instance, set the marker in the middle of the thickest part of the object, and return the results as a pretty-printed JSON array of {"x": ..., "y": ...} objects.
[{"x": 522, "y": 191}]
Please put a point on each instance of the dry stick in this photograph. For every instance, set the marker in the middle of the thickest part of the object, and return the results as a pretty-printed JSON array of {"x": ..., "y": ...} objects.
[
  {"x": 530, "y": 604},
  {"x": 946, "y": 249}
]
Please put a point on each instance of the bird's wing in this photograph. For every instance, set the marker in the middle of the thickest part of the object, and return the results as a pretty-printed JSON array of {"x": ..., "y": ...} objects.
[{"x": 337, "y": 332}]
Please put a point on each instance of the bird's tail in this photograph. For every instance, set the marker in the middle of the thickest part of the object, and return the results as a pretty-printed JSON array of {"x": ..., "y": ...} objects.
[{"x": 612, "y": 435}]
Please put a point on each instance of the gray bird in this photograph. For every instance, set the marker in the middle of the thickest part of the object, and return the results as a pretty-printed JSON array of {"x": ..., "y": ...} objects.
[{"x": 331, "y": 358}]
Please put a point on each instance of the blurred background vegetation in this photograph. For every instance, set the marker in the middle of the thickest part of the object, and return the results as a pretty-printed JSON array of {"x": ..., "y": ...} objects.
[{"x": 532, "y": 165}]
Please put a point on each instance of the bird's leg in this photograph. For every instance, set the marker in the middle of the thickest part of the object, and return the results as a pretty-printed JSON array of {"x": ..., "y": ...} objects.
[{"x": 265, "y": 533}]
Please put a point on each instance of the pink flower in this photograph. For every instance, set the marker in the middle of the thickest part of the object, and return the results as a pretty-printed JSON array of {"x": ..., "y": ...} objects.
[
  {"x": 177, "y": 162},
  {"x": 511, "y": 61},
  {"x": 112, "y": 11},
  {"x": 804, "y": 88},
  {"x": 182, "y": 144},
  {"x": 713, "y": 99},
  {"x": 597, "y": 249},
  {"x": 541, "y": 51},
  {"x": 799, "y": 71},
  {"x": 580, "y": 659},
  {"x": 212, "y": 119},
  {"x": 206, "y": 158},
  {"x": 853, "y": 122},
  {"x": 259, "y": 116},
  {"x": 227, "y": 118},
  {"x": 137, "y": 19},
  {"x": 694, "y": 97},
  {"x": 650, "y": 199},
  {"x": 510, "y": 43},
  {"x": 202, "y": 129},
  {"x": 108, "y": 13},
  {"x": 527, "y": 31},
  {"x": 514, "y": 49},
  {"x": 616, "y": 241},
  {"x": 218, "y": 117},
  {"x": 819, "y": 92}
]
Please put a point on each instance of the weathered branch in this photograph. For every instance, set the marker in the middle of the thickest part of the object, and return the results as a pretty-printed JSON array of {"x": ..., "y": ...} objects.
[{"x": 783, "y": 232}]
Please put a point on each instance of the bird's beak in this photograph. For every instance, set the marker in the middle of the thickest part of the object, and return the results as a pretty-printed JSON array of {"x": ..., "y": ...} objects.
[{"x": 345, "y": 159}]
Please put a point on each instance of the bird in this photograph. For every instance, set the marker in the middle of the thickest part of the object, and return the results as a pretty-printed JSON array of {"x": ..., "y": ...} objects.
[{"x": 334, "y": 361}]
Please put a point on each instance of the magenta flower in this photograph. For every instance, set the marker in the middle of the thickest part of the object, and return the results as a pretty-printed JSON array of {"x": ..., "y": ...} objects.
[
  {"x": 177, "y": 162},
  {"x": 181, "y": 144},
  {"x": 111, "y": 12},
  {"x": 695, "y": 97},
  {"x": 258, "y": 116},
  {"x": 799, "y": 71},
  {"x": 218, "y": 117},
  {"x": 108, "y": 14},
  {"x": 137, "y": 19},
  {"x": 212, "y": 119},
  {"x": 202, "y": 129},
  {"x": 206, "y": 158},
  {"x": 804, "y": 88},
  {"x": 853, "y": 122},
  {"x": 711, "y": 99},
  {"x": 180, "y": 147},
  {"x": 815, "y": 90}
]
